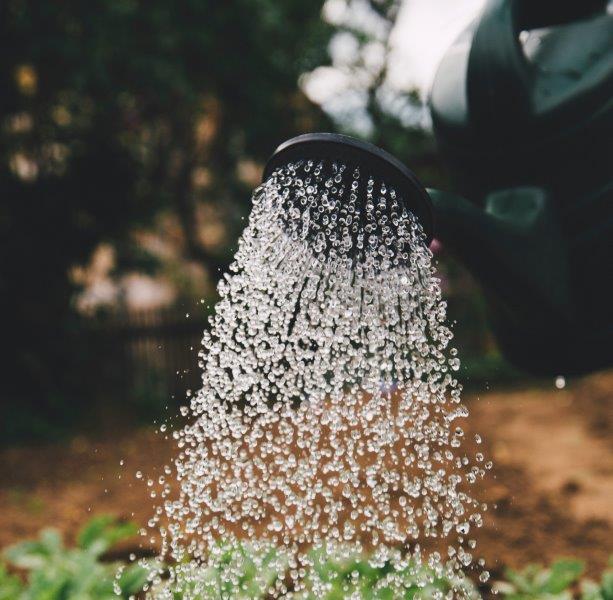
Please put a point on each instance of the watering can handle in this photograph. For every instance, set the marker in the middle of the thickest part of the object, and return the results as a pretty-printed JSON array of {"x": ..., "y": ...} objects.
[{"x": 499, "y": 77}]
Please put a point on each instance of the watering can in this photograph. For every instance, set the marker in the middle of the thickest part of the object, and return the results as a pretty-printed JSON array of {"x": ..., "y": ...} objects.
[
  {"x": 522, "y": 111},
  {"x": 523, "y": 114}
]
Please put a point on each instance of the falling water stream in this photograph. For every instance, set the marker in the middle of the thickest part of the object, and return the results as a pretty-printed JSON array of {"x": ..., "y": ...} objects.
[{"x": 328, "y": 422}]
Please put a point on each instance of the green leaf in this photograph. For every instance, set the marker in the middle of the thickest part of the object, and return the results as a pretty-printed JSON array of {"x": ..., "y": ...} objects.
[
  {"x": 534, "y": 581},
  {"x": 607, "y": 585},
  {"x": 563, "y": 574},
  {"x": 47, "y": 585},
  {"x": 103, "y": 532},
  {"x": 522, "y": 581},
  {"x": 590, "y": 590},
  {"x": 132, "y": 579},
  {"x": 34, "y": 554},
  {"x": 11, "y": 586}
]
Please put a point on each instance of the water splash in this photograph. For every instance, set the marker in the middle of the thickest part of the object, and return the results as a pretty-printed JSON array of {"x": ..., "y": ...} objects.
[{"x": 326, "y": 424}]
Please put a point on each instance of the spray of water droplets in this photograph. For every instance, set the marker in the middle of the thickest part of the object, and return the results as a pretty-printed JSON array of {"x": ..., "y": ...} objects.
[{"x": 326, "y": 424}]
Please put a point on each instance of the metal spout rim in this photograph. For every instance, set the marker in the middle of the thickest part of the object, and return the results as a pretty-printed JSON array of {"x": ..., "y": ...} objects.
[{"x": 381, "y": 163}]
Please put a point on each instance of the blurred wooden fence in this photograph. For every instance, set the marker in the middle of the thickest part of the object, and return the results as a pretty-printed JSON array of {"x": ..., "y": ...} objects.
[{"x": 147, "y": 356}]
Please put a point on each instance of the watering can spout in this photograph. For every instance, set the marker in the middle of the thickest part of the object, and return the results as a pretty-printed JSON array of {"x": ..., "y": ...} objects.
[
  {"x": 515, "y": 248},
  {"x": 514, "y": 245}
]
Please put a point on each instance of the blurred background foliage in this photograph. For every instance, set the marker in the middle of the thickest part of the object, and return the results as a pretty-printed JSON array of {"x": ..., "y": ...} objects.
[{"x": 131, "y": 136}]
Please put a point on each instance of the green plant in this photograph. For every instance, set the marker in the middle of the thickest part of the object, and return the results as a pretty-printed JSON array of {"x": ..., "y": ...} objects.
[
  {"x": 240, "y": 572},
  {"x": 535, "y": 581},
  {"x": 55, "y": 572},
  {"x": 590, "y": 590},
  {"x": 357, "y": 575},
  {"x": 10, "y": 585}
]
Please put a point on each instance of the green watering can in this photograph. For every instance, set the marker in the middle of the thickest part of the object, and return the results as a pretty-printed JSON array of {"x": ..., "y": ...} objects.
[{"x": 523, "y": 114}]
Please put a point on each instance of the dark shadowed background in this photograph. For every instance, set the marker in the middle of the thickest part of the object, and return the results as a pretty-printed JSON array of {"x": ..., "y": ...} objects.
[{"x": 132, "y": 137}]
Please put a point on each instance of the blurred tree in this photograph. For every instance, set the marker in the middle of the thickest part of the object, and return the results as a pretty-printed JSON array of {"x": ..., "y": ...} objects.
[
  {"x": 112, "y": 110},
  {"x": 366, "y": 103}
]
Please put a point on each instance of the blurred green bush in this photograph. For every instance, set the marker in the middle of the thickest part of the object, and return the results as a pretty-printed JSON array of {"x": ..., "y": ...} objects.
[{"x": 55, "y": 572}]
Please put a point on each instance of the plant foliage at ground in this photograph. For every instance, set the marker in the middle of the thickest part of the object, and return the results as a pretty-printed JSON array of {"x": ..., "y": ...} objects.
[
  {"x": 45, "y": 569},
  {"x": 55, "y": 572}
]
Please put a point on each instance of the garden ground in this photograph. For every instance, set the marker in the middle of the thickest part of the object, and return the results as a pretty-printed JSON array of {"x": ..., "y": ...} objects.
[{"x": 550, "y": 492}]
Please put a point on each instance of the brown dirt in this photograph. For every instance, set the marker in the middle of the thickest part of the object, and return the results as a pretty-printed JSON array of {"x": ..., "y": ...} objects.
[
  {"x": 549, "y": 493},
  {"x": 552, "y": 485}
]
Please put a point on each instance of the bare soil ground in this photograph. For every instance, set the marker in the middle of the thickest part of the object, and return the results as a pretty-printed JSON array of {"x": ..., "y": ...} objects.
[{"x": 550, "y": 492}]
